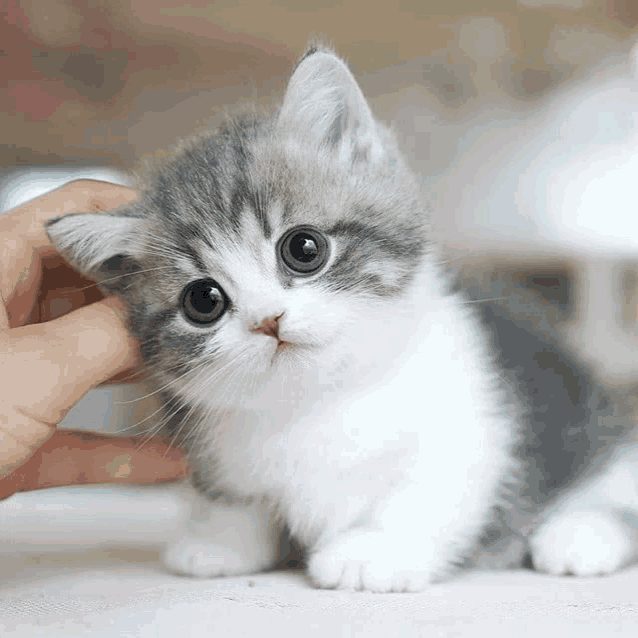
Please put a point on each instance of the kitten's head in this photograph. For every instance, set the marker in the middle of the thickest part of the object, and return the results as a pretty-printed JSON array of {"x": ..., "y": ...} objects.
[{"x": 265, "y": 248}]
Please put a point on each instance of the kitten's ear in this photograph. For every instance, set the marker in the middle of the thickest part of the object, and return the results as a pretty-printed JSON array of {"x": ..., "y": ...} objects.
[
  {"x": 324, "y": 101},
  {"x": 98, "y": 245}
]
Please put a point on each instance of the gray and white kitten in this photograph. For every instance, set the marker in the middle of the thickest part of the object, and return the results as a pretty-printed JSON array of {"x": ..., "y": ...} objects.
[{"x": 280, "y": 278}]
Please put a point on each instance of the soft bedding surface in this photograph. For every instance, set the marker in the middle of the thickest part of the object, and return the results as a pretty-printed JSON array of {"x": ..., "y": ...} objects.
[
  {"x": 124, "y": 593},
  {"x": 78, "y": 562}
]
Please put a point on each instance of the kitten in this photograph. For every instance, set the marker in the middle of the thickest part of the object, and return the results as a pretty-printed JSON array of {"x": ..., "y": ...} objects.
[{"x": 280, "y": 277}]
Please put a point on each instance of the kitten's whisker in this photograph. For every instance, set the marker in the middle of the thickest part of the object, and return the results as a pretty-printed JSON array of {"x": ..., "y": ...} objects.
[
  {"x": 153, "y": 431},
  {"x": 99, "y": 283},
  {"x": 136, "y": 425},
  {"x": 183, "y": 422},
  {"x": 197, "y": 368},
  {"x": 195, "y": 406},
  {"x": 471, "y": 301},
  {"x": 449, "y": 260},
  {"x": 232, "y": 379},
  {"x": 163, "y": 246},
  {"x": 189, "y": 400}
]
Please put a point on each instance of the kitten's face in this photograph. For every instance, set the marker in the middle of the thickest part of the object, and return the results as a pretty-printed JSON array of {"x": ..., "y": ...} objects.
[{"x": 266, "y": 250}]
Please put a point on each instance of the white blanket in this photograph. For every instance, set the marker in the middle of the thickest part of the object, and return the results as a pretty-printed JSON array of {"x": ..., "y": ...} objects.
[{"x": 76, "y": 562}]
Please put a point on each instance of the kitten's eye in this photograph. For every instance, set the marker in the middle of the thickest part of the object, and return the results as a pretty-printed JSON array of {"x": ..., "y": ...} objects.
[
  {"x": 204, "y": 301},
  {"x": 304, "y": 250}
]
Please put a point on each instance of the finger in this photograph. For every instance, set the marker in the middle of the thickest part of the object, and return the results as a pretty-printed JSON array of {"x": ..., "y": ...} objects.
[
  {"x": 62, "y": 290},
  {"x": 48, "y": 367},
  {"x": 4, "y": 317},
  {"x": 23, "y": 242},
  {"x": 79, "y": 458},
  {"x": 20, "y": 279},
  {"x": 74, "y": 197},
  {"x": 20, "y": 438}
]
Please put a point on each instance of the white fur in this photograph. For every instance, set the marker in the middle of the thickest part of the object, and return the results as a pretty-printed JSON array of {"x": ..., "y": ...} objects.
[
  {"x": 322, "y": 87},
  {"x": 387, "y": 478},
  {"x": 582, "y": 543},
  {"x": 78, "y": 233},
  {"x": 583, "y": 533}
]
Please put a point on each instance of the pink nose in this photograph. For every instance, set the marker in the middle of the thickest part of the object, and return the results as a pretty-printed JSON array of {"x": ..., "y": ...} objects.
[{"x": 269, "y": 327}]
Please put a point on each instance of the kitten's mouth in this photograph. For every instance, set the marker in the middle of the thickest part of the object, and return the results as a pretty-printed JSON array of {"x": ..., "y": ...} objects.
[{"x": 283, "y": 347}]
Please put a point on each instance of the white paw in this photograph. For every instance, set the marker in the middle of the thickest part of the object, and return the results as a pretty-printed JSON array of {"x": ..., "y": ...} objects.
[
  {"x": 369, "y": 561},
  {"x": 582, "y": 544},
  {"x": 195, "y": 557}
]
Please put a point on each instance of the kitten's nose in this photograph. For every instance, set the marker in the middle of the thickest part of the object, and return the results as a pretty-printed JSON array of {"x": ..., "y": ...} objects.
[{"x": 269, "y": 327}]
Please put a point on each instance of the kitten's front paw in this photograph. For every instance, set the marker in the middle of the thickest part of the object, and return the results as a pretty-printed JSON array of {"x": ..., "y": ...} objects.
[
  {"x": 582, "y": 544},
  {"x": 196, "y": 557},
  {"x": 370, "y": 561}
]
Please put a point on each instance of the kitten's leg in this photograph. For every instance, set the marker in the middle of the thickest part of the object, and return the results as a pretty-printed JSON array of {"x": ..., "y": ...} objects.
[
  {"x": 582, "y": 543},
  {"x": 408, "y": 544},
  {"x": 225, "y": 537},
  {"x": 371, "y": 558},
  {"x": 434, "y": 493},
  {"x": 584, "y": 534}
]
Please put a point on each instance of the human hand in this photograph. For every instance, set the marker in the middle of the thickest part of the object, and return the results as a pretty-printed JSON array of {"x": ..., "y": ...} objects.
[{"x": 58, "y": 340}]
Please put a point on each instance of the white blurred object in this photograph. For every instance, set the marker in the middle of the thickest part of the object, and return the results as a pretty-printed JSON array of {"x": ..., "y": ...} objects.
[
  {"x": 94, "y": 515},
  {"x": 25, "y": 184},
  {"x": 556, "y": 179},
  {"x": 549, "y": 184}
]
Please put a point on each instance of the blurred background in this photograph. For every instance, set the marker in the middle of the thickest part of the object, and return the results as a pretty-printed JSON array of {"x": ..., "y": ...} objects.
[
  {"x": 494, "y": 105},
  {"x": 497, "y": 107},
  {"x": 519, "y": 116},
  {"x": 87, "y": 83}
]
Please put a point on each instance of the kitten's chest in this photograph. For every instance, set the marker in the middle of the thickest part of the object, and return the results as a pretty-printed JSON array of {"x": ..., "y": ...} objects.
[
  {"x": 346, "y": 445},
  {"x": 323, "y": 473}
]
